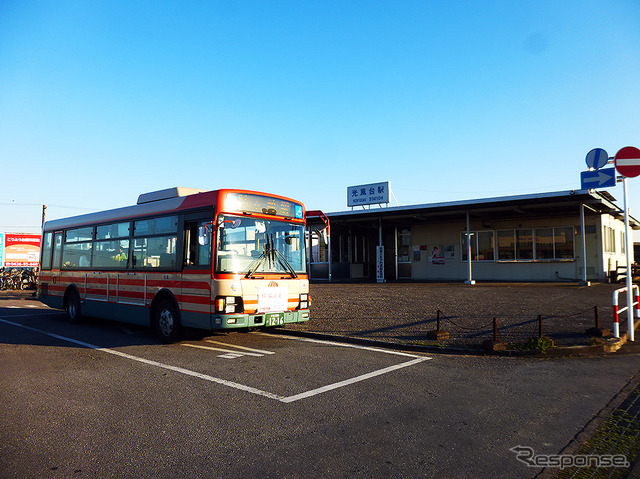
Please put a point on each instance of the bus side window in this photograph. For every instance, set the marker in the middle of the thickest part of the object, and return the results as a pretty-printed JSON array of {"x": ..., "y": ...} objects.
[
  {"x": 197, "y": 244},
  {"x": 47, "y": 246},
  {"x": 189, "y": 253},
  {"x": 204, "y": 243},
  {"x": 57, "y": 250}
]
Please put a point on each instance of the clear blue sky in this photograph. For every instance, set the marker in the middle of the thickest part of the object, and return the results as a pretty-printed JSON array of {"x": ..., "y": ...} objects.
[{"x": 101, "y": 101}]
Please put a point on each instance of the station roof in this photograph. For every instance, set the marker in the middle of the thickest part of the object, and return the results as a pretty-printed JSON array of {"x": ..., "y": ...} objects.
[{"x": 559, "y": 203}]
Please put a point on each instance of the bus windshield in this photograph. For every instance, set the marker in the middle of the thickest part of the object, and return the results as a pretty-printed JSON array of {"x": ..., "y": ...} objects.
[{"x": 253, "y": 246}]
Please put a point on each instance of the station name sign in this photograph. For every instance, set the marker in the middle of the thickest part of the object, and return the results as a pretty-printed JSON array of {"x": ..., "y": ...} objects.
[{"x": 371, "y": 194}]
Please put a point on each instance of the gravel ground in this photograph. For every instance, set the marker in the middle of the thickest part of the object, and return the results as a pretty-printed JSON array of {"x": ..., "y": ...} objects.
[{"x": 406, "y": 312}]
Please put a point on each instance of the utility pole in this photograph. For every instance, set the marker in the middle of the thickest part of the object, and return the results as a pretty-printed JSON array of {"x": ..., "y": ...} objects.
[{"x": 44, "y": 209}]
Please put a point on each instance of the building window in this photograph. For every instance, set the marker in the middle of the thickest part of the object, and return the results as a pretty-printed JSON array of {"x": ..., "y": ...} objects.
[
  {"x": 540, "y": 244},
  {"x": 524, "y": 245},
  {"x": 482, "y": 245},
  {"x": 506, "y": 245},
  {"x": 404, "y": 245},
  {"x": 563, "y": 243},
  {"x": 609, "y": 240},
  {"x": 544, "y": 243}
]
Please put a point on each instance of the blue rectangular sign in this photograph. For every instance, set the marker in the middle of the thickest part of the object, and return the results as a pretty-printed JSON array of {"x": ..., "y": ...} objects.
[
  {"x": 374, "y": 193},
  {"x": 603, "y": 178}
]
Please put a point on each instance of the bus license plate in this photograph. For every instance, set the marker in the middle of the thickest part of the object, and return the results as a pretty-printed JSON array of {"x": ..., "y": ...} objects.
[{"x": 274, "y": 319}]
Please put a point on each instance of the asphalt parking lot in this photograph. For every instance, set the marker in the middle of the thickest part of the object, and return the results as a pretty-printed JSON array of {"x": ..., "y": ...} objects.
[{"x": 105, "y": 399}]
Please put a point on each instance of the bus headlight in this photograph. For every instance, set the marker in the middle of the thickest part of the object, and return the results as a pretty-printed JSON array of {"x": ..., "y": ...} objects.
[
  {"x": 229, "y": 304},
  {"x": 304, "y": 301}
]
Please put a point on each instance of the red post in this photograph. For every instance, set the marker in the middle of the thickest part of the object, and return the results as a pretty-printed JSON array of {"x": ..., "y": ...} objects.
[{"x": 616, "y": 318}]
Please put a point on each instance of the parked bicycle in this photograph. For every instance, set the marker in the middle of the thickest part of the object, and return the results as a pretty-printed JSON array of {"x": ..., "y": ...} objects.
[{"x": 18, "y": 279}]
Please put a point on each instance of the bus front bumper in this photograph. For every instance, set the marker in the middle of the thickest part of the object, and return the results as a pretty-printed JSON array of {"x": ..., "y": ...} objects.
[{"x": 233, "y": 321}]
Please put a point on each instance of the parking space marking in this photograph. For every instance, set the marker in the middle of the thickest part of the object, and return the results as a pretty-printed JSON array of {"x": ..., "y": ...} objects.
[
  {"x": 347, "y": 382},
  {"x": 236, "y": 353},
  {"x": 176, "y": 369},
  {"x": 234, "y": 385},
  {"x": 344, "y": 345},
  {"x": 229, "y": 353},
  {"x": 261, "y": 351}
]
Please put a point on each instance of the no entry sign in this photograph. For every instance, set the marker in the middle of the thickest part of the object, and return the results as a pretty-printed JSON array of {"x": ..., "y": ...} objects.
[{"x": 627, "y": 161}]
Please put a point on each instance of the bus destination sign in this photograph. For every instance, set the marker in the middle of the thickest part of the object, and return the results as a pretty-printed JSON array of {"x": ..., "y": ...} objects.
[{"x": 250, "y": 203}]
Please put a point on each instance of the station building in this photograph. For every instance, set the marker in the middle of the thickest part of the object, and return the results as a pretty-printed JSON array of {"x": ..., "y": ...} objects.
[{"x": 576, "y": 235}]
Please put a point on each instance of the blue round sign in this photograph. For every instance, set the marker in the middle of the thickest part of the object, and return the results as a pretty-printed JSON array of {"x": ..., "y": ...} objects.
[{"x": 597, "y": 158}]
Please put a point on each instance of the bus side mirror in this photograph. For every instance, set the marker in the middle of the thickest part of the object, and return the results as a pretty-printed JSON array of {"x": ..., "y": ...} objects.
[{"x": 203, "y": 233}]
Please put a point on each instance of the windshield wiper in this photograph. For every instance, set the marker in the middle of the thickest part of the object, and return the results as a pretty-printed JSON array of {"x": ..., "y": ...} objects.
[
  {"x": 286, "y": 264},
  {"x": 272, "y": 254},
  {"x": 253, "y": 267}
]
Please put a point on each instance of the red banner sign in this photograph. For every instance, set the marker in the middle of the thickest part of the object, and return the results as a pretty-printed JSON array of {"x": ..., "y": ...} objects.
[{"x": 21, "y": 250}]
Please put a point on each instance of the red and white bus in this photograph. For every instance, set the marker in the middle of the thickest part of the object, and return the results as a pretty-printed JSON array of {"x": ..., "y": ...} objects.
[{"x": 181, "y": 257}]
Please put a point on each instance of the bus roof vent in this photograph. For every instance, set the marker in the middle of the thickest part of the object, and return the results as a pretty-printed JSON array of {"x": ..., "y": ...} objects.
[{"x": 175, "y": 192}]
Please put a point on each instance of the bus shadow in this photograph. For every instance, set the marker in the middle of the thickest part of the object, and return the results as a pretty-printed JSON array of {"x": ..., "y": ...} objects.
[{"x": 35, "y": 326}]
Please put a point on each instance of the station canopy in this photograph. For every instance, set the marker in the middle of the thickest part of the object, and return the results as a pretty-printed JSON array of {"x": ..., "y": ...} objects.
[{"x": 543, "y": 205}]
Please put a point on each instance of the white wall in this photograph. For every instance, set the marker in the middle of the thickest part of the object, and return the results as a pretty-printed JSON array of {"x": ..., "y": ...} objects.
[{"x": 425, "y": 237}]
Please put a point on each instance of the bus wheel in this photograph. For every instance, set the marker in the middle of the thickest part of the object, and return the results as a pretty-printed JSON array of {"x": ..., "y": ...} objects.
[
  {"x": 72, "y": 307},
  {"x": 166, "y": 321}
]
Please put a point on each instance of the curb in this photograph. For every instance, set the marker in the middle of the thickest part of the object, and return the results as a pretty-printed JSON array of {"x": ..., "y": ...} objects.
[
  {"x": 609, "y": 346},
  {"x": 377, "y": 343}
]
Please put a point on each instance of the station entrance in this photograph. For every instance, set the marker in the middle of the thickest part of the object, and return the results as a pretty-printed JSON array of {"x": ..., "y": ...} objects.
[{"x": 350, "y": 252}]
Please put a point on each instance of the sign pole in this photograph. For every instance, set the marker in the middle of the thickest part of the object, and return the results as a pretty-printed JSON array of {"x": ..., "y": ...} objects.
[
  {"x": 469, "y": 280},
  {"x": 627, "y": 162},
  {"x": 630, "y": 307},
  {"x": 584, "y": 281}
]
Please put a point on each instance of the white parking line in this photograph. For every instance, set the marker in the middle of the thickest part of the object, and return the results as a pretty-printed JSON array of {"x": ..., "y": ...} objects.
[
  {"x": 261, "y": 351},
  {"x": 343, "y": 345},
  {"x": 347, "y": 382},
  {"x": 231, "y": 355},
  {"x": 176, "y": 369},
  {"x": 210, "y": 348},
  {"x": 231, "y": 384}
]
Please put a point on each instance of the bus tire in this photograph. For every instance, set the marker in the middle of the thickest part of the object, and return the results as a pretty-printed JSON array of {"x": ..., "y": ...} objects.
[
  {"x": 72, "y": 307},
  {"x": 166, "y": 321}
]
